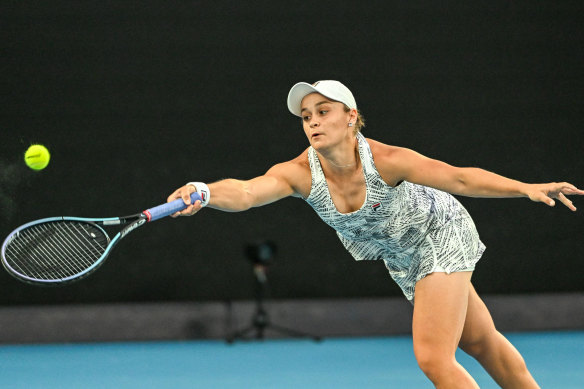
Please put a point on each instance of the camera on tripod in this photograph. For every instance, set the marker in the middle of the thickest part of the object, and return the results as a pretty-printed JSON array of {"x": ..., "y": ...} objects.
[{"x": 261, "y": 254}]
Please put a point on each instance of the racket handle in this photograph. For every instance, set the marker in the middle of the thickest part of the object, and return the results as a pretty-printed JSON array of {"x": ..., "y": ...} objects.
[{"x": 168, "y": 209}]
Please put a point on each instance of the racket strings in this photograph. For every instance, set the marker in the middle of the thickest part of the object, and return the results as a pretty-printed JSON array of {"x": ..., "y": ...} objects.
[{"x": 56, "y": 250}]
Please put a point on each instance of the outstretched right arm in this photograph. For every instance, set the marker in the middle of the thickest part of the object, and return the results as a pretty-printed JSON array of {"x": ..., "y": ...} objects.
[{"x": 231, "y": 195}]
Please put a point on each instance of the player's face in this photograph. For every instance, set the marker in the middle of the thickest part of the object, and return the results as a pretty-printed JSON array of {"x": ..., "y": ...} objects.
[{"x": 325, "y": 121}]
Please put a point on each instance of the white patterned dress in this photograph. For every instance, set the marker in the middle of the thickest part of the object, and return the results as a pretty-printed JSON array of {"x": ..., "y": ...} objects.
[{"x": 414, "y": 229}]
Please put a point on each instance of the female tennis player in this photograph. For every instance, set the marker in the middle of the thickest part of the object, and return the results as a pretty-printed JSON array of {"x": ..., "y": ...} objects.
[{"x": 393, "y": 204}]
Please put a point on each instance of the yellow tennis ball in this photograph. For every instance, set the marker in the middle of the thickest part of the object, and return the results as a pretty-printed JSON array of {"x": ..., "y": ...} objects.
[{"x": 37, "y": 157}]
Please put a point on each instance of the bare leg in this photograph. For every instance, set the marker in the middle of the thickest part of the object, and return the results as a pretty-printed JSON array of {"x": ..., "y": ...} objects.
[
  {"x": 439, "y": 313},
  {"x": 481, "y": 340}
]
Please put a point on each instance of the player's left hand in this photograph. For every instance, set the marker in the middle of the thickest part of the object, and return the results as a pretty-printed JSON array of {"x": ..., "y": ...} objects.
[{"x": 546, "y": 193}]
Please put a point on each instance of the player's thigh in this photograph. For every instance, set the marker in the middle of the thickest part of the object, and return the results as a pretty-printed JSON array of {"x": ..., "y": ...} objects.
[{"x": 440, "y": 307}]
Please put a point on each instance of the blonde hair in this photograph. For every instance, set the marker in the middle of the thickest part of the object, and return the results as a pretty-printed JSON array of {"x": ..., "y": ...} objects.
[{"x": 360, "y": 123}]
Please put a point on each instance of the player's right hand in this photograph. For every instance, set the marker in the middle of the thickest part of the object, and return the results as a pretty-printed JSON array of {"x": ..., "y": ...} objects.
[{"x": 184, "y": 193}]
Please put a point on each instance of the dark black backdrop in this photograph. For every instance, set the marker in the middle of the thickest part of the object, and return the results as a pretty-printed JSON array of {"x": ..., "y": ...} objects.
[{"x": 136, "y": 98}]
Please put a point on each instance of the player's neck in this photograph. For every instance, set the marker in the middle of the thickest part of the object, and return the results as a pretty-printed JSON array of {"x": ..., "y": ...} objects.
[{"x": 342, "y": 159}]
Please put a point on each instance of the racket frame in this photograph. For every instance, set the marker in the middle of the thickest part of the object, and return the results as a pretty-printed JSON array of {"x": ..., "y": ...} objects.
[{"x": 134, "y": 220}]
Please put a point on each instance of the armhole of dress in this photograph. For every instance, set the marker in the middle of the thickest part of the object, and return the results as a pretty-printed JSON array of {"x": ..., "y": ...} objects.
[
  {"x": 311, "y": 166},
  {"x": 371, "y": 162}
]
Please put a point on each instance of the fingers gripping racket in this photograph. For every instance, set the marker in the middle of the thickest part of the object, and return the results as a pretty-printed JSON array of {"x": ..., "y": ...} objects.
[{"x": 62, "y": 249}]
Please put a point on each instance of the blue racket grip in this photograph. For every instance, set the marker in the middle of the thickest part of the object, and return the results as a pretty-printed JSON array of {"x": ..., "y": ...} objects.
[{"x": 168, "y": 209}]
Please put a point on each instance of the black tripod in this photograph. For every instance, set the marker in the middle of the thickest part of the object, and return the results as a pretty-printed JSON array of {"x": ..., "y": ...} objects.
[{"x": 261, "y": 255}]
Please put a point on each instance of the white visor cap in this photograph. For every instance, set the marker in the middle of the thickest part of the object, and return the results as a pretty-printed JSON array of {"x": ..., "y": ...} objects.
[{"x": 329, "y": 88}]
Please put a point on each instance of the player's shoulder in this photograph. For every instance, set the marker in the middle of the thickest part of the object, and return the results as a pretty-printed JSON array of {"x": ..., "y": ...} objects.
[
  {"x": 385, "y": 153},
  {"x": 391, "y": 161}
]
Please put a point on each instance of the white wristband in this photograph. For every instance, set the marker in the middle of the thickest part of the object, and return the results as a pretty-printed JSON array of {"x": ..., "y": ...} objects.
[{"x": 203, "y": 191}]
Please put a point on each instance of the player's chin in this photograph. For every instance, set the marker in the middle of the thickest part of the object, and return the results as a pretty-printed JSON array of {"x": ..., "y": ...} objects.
[{"x": 317, "y": 141}]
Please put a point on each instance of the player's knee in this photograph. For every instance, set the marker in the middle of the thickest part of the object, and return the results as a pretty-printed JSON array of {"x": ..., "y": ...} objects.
[
  {"x": 433, "y": 361},
  {"x": 479, "y": 345},
  {"x": 475, "y": 347}
]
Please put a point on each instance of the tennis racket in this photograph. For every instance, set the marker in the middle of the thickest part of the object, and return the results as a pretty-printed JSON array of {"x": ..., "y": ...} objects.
[{"x": 63, "y": 249}]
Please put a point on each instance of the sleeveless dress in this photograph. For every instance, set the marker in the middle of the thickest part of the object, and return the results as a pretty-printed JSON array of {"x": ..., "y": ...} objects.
[{"x": 415, "y": 230}]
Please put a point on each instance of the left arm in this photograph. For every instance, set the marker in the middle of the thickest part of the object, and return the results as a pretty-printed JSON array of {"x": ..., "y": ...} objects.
[{"x": 404, "y": 164}]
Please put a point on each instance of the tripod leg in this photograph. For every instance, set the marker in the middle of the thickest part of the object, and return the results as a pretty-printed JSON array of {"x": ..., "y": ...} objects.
[
  {"x": 292, "y": 332},
  {"x": 241, "y": 334},
  {"x": 259, "y": 323},
  {"x": 260, "y": 320}
]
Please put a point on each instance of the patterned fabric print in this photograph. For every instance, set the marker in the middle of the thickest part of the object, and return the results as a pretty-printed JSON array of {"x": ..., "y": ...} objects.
[{"x": 412, "y": 228}]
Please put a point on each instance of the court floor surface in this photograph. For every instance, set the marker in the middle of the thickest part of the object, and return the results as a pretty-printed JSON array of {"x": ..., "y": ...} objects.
[{"x": 556, "y": 359}]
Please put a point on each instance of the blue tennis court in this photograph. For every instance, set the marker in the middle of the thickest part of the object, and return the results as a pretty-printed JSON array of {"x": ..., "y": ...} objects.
[{"x": 556, "y": 359}]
